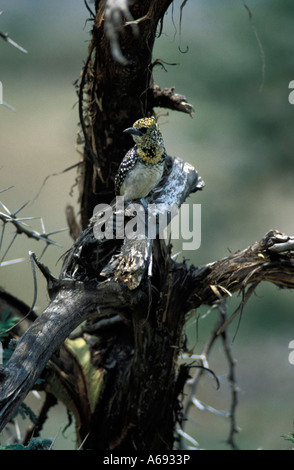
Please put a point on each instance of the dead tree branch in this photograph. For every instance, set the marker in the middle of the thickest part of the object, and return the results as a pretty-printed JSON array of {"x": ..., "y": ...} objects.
[
  {"x": 73, "y": 303},
  {"x": 259, "y": 262},
  {"x": 167, "y": 98}
]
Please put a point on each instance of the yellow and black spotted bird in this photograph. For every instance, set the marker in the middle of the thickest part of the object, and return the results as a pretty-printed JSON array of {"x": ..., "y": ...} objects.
[{"x": 141, "y": 168}]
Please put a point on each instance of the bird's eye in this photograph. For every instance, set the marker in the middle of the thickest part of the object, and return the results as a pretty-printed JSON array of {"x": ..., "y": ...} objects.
[{"x": 143, "y": 130}]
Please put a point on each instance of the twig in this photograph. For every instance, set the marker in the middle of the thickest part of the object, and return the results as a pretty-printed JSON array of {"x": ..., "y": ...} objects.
[
  {"x": 89, "y": 9},
  {"x": 233, "y": 385},
  {"x": 239, "y": 310},
  {"x": 22, "y": 228},
  {"x": 192, "y": 400},
  {"x": 180, "y": 26},
  {"x": 260, "y": 46}
]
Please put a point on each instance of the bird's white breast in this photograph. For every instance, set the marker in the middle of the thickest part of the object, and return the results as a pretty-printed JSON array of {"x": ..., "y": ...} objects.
[{"x": 141, "y": 181}]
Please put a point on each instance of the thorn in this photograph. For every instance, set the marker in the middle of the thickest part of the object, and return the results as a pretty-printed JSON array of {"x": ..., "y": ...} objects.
[
  {"x": 13, "y": 261},
  {"x": 8, "y": 106},
  {"x": 9, "y": 246},
  {"x": 55, "y": 231},
  {"x": 52, "y": 281},
  {"x": 43, "y": 225},
  {"x": 6, "y": 189},
  {"x": 43, "y": 251},
  {"x": 2, "y": 235},
  {"x": 19, "y": 209},
  {"x": 13, "y": 43},
  {"x": 5, "y": 208},
  {"x": 43, "y": 237},
  {"x": 21, "y": 219}
]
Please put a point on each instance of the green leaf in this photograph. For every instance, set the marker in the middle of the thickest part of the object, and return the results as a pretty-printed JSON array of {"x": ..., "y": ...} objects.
[
  {"x": 6, "y": 322},
  {"x": 289, "y": 437},
  {"x": 36, "y": 443}
]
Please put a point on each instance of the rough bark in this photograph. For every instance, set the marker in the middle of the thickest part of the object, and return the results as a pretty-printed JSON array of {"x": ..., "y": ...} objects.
[
  {"x": 113, "y": 95},
  {"x": 72, "y": 305},
  {"x": 270, "y": 260}
]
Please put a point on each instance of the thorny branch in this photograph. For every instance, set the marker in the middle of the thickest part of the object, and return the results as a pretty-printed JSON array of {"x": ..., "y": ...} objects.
[{"x": 8, "y": 217}]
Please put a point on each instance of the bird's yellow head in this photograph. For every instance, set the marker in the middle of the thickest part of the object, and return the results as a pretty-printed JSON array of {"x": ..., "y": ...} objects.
[
  {"x": 148, "y": 138},
  {"x": 144, "y": 131}
]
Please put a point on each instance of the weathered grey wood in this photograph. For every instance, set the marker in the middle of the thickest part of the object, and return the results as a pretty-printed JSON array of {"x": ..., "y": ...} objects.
[
  {"x": 180, "y": 180},
  {"x": 71, "y": 306}
]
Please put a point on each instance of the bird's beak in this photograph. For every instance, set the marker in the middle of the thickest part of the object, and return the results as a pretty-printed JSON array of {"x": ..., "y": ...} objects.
[{"x": 132, "y": 131}]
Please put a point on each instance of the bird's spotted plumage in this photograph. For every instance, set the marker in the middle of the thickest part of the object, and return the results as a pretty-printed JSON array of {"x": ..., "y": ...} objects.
[{"x": 142, "y": 167}]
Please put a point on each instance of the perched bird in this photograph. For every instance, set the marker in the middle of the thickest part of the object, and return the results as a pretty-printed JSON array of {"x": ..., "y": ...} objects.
[{"x": 142, "y": 167}]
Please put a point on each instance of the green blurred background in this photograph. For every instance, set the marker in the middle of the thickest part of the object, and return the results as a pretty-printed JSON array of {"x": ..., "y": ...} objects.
[{"x": 236, "y": 74}]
